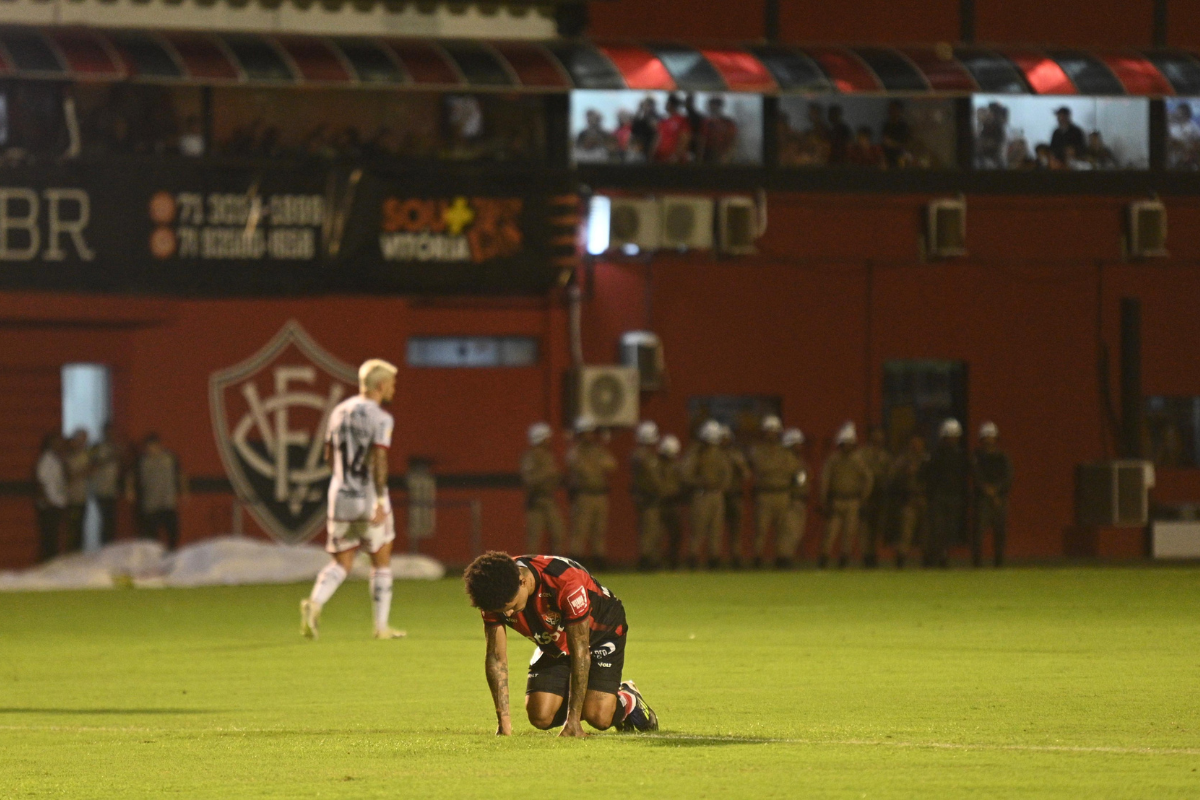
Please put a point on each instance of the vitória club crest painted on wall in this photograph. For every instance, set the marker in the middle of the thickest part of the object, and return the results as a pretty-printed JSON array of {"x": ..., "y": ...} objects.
[{"x": 269, "y": 415}]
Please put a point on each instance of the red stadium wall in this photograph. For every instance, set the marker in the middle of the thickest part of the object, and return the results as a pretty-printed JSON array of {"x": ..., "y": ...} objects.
[
  {"x": 1066, "y": 23},
  {"x": 837, "y": 290}
]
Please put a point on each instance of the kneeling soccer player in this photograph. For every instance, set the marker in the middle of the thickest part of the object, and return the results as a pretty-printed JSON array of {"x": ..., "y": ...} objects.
[
  {"x": 580, "y": 629},
  {"x": 357, "y": 438}
]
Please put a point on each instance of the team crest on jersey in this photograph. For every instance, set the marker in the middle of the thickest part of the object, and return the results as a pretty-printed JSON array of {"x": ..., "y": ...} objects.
[{"x": 269, "y": 415}]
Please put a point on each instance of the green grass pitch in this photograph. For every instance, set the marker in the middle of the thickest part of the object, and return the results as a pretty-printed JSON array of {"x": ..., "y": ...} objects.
[{"x": 1071, "y": 683}]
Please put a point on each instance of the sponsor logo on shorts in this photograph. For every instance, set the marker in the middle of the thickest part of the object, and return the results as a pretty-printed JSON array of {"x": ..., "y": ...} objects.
[{"x": 604, "y": 650}]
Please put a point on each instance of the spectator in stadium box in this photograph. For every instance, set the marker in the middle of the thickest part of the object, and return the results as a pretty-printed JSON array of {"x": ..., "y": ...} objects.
[
  {"x": 1066, "y": 135},
  {"x": 845, "y": 485},
  {"x": 646, "y": 489},
  {"x": 541, "y": 477},
  {"x": 594, "y": 143},
  {"x": 78, "y": 463},
  {"x": 840, "y": 136},
  {"x": 1183, "y": 138},
  {"x": 191, "y": 141},
  {"x": 910, "y": 474},
  {"x": 643, "y": 131},
  {"x": 718, "y": 134},
  {"x": 1098, "y": 154},
  {"x": 797, "y": 520},
  {"x": 863, "y": 152},
  {"x": 108, "y": 460},
  {"x": 895, "y": 135},
  {"x": 159, "y": 486},
  {"x": 589, "y": 467},
  {"x": 774, "y": 467},
  {"x": 947, "y": 482},
  {"x": 991, "y": 123},
  {"x": 673, "y": 498},
  {"x": 708, "y": 471},
  {"x": 873, "y": 515},
  {"x": 814, "y": 144},
  {"x": 623, "y": 135},
  {"x": 992, "y": 475},
  {"x": 735, "y": 495},
  {"x": 51, "y": 499},
  {"x": 674, "y": 139},
  {"x": 580, "y": 629},
  {"x": 695, "y": 122}
]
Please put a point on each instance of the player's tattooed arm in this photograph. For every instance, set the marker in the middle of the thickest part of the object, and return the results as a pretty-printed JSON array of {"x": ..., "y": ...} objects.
[
  {"x": 579, "y": 644},
  {"x": 379, "y": 473},
  {"x": 496, "y": 667}
]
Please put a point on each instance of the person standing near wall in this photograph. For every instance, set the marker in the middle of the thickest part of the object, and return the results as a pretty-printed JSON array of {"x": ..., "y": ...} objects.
[
  {"x": 845, "y": 485},
  {"x": 161, "y": 486},
  {"x": 947, "y": 493},
  {"x": 797, "y": 518},
  {"x": 708, "y": 471},
  {"x": 739, "y": 472},
  {"x": 909, "y": 478},
  {"x": 672, "y": 498},
  {"x": 589, "y": 465},
  {"x": 541, "y": 478},
  {"x": 647, "y": 491},
  {"x": 51, "y": 498},
  {"x": 873, "y": 515},
  {"x": 78, "y": 463},
  {"x": 774, "y": 468},
  {"x": 992, "y": 474},
  {"x": 108, "y": 459}
]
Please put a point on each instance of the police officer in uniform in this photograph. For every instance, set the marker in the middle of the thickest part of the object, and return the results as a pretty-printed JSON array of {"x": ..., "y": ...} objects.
[
  {"x": 774, "y": 466},
  {"x": 739, "y": 472},
  {"x": 541, "y": 478},
  {"x": 992, "y": 474},
  {"x": 797, "y": 519},
  {"x": 708, "y": 471},
  {"x": 845, "y": 485},
  {"x": 873, "y": 514},
  {"x": 647, "y": 490},
  {"x": 947, "y": 493},
  {"x": 910, "y": 485},
  {"x": 589, "y": 465},
  {"x": 673, "y": 497}
]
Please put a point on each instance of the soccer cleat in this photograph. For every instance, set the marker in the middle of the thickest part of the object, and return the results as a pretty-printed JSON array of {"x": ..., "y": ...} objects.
[
  {"x": 310, "y": 615},
  {"x": 642, "y": 719},
  {"x": 390, "y": 633}
]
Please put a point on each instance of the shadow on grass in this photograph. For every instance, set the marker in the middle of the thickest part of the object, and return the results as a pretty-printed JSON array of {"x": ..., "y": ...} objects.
[
  {"x": 133, "y": 712},
  {"x": 689, "y": 740}
]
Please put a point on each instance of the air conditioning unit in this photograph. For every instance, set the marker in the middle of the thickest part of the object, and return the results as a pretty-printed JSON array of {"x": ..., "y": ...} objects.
[
  {"x": 1113, "y": 494},
  {"x": 1147, "y": 229},
  {"x": 634, "y": 222},
  {"x": 687, "y": 223},
  {"x": 946, "y": 228},
  {"x": 643, "y": 351},
  {"x": 737, "y": 225},
  {"x": 605, "y": 396}
]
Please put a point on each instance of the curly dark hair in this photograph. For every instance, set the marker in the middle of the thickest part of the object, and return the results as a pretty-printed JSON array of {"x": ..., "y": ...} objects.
[{"x": 492, "y": 580}]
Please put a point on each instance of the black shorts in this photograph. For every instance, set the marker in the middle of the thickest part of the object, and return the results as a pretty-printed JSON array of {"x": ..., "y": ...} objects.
[{"x": 552, "y": 674}]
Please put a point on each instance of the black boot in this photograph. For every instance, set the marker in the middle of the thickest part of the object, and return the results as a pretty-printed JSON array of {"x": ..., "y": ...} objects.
[
  {"x": 870, "y": 561},
  {"x": 842, "y": 561},
  {"x": 714, "y": 563},
  {"x": 899, "y": 561},
  {"x": 783, "y": 563},
  {"x": 757, "y": 563},
  {"x": 823, "y": 561}
]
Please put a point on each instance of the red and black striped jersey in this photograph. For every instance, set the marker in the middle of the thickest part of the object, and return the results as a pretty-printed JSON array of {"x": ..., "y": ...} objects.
[{"x": 564, "y": 593}]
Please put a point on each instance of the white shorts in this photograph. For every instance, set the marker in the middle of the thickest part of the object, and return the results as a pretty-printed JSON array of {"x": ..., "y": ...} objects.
[{"x": 345, "y": 536}]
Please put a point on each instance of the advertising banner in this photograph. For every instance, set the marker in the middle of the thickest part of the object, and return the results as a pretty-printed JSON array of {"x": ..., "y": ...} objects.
[{"x": 188, "y": 228}]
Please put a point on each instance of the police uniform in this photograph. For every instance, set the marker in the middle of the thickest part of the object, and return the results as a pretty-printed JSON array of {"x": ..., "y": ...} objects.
[
  {"x": 709, "y": 472},
  {"x": 909, "y": 479},
  {"x": 990, "y": 470},
  {"x": 797, "y": 518},
  {"x": 541, "y": 478},
  {"x": 874, "y": 509},
  {"x": 739, "y": 472},
  {"x": 846, "y": 482},
  {"x": 672, "y": 499},
  {"x": 947, "y": 499},
  {"x": 589, "y": 465},
  {"x": 775, "y": 470},
  {"x": 647, "y": 490}
]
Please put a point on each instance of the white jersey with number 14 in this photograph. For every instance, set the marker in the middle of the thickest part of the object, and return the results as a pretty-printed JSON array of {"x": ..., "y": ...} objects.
[{"x": 355, "y": 427}]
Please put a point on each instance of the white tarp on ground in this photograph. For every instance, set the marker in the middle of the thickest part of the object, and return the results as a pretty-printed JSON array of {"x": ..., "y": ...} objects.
[{"x": 222, "y": 561}]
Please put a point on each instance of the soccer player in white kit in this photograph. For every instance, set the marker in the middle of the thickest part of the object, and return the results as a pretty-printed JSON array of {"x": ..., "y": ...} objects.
[{"x": 360, "y": 512}]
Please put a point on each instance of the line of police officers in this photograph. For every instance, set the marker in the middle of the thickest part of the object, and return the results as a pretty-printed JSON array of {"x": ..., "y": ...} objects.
[{"x": 917, "y": 501}]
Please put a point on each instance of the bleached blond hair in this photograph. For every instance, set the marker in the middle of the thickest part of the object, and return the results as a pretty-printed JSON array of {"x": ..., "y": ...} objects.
[{"x": 374, "y": 372}]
